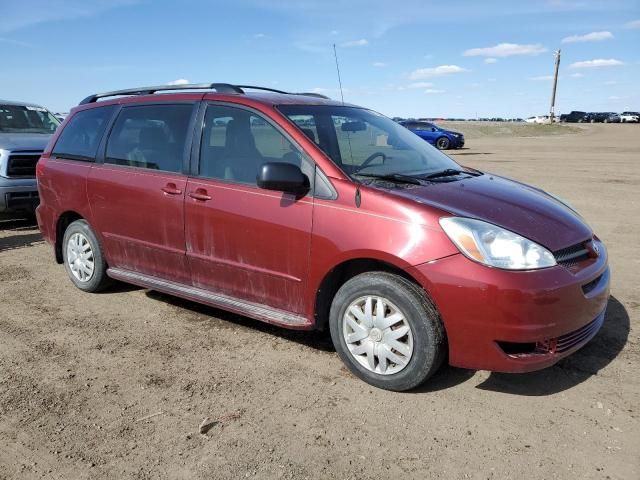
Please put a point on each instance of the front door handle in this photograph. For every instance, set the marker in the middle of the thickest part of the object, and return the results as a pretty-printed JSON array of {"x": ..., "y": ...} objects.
[
  {"x": 171, "y": 189},
  {"x": 200, "y": 194}
]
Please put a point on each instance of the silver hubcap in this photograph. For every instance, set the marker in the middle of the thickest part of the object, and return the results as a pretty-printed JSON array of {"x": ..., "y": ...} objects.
[
  {"x": 378, "y": 335},
  {"x": 80, "y": 257}
]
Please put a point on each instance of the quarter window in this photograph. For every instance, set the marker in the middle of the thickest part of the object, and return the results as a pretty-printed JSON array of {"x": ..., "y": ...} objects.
[
  {"x": 150, "y": 136},
  {"x": 80, "y": 138}
]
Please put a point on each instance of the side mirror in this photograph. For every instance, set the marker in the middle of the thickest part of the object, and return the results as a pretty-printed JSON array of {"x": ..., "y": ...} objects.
[
  {"x": 282, "y": 177},
  {"x": 434, "y": 129}
]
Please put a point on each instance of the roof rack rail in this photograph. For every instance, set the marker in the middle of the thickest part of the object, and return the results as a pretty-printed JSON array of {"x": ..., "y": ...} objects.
[
  {"x": 218, "y": 87},
  {"x": 313, "y": 94},
  {"x": 306, "y": 94}
]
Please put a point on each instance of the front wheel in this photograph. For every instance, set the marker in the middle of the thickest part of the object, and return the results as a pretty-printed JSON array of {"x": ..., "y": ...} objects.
[
  {"x": 387, "y": 331},
  {"x": 442, "y": 143},
  {"x": 83, "y": 259}
]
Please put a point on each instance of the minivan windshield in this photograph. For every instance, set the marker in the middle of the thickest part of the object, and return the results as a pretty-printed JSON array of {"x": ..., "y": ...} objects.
[
  {"x": 26, "y": 119},
  {"x": 362, "y": 142}
]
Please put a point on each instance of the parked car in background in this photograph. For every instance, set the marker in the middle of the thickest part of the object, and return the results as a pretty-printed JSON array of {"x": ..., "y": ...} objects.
[
  {"x": 602, "y": 117},
  {"x": 611, "y": 117},
  {"x": 323, "y": 216},
  {"x": 630, "y": 117},
  {"x": 25, "y": 129},
  {"x": 441, "y": 138},
  {"x": 574, "y": 116},
  {"x": 540, "y": 119}
]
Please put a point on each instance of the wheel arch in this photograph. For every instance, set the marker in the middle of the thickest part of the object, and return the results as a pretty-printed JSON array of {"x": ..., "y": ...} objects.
[
  {"x": 64, "y": 220},
  {"x": 342, "y": 272}
]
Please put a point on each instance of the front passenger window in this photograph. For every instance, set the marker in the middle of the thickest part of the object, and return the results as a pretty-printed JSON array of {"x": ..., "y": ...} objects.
[{"x": 236, "y": 142}]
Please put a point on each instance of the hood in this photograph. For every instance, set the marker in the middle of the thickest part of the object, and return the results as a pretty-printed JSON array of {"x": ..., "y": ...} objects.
[
  {"x": 24, "y": 141},
  {"x": 520, "y": 208}
]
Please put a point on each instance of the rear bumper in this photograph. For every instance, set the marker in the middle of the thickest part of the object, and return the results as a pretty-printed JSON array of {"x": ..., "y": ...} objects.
[
  {"x": 18, "y": 194},
  {"x": 516, "y": 321}
]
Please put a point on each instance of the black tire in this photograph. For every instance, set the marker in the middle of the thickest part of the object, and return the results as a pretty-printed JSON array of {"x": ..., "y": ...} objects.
[
  {"x": 429, "y": 339},
  {"x": 442, "y": 143},
  {"x": 98, "y": 280}
]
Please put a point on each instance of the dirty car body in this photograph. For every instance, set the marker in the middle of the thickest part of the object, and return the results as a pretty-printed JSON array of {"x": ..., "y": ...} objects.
[{"x": 310, "y": 214}]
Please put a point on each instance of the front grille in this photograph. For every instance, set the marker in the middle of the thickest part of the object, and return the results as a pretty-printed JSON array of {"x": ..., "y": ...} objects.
[
  {"x": 555, "y": 345},
  {"x": 588, "y": 287},
  {"x": 571, "y": 256},
  {"x": 22, "y": 164},
  {"x": 580, "y": 336}
]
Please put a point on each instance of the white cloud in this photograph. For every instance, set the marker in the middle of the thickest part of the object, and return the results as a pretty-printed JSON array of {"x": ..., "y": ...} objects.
[
  {"x": 505, "y": 50},
  {"x": 180, "y": 81},
  {"x": 432, "y": 91},
  {"x": 633, "y": 24},
  {"x": 610, "y": 82},
  {"x": 421, "y": 85},
  {"x": 577, "y": 75},
  {"x": 363, "y": 42},
  {"x": 259, "y": 35},
  {"x": 542, "y": 78},
  {"x": 423, "y": 73},
  {"x": 589, "y": 37},
  {"x": 379, "y": 64},
  {"x": 490, "y": 60},
  {"x": 613, "y": 97},
  {"x": 598, "y": 62}
]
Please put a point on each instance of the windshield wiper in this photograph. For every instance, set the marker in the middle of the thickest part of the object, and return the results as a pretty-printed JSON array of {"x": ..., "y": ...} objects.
[
  {"x": 450, "y": 172},
  {"x": 392, "y": 177}
]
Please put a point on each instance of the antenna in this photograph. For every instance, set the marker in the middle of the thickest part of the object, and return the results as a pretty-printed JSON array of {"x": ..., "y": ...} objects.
[
  {"x": 555, "y": 86},
  {"x": 335, "y": 54}
]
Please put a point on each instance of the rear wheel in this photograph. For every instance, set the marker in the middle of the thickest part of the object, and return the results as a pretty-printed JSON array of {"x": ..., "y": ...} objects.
[
  {"x": 83, "y": 259},
  {"x": 387, "y": 331},
  {"x": 442, "y": 143}
]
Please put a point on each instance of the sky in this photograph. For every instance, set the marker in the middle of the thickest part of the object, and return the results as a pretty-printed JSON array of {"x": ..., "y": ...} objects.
[{"x": 405, "y": 58}]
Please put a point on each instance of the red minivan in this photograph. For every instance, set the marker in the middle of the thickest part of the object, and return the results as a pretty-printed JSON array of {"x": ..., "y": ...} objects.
[{"x": 311, "y": 214}]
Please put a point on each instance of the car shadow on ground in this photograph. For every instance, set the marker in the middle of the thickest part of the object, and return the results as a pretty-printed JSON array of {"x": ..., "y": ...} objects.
[
  {"x": 21, "y": 240},
  {"x": 576, "y": 368},
  {"x": 224, "y": 319},
  {"x": 568, "y": 373}
]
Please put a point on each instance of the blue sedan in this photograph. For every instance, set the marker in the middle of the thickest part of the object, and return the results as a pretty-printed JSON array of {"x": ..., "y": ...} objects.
[{"x": 439, "y": 137}]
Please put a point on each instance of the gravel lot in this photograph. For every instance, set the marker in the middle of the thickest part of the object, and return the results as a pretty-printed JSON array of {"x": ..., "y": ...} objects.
[{"x": 115, "y": 385}]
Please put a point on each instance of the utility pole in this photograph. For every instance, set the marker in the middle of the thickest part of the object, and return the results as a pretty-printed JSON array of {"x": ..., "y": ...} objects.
[{"x": 555, "y": 85}]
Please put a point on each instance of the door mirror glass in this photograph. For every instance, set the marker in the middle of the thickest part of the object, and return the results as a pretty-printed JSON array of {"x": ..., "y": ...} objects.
[
  {"x": 434, "y": 129},
  {"x": 282, "y": 177}
]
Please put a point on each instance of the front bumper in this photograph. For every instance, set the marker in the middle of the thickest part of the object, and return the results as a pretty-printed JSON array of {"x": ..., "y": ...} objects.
[
  {"x": 18, "y": 194},
  {"x": 510, "y": 321},
  {"x": 457, "y": 142}
]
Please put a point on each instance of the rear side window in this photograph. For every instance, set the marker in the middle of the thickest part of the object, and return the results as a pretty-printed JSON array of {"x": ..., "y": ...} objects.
[
  {"x": 150, "y": 136},
  {"x": 81, "y": 136}
]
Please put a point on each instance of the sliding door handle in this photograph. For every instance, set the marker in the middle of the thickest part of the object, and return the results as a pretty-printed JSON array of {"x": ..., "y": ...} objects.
[{"x": 171, "y": 189}]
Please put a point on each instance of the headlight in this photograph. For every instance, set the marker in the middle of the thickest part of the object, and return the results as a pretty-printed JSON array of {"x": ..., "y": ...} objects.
[{"x": 494, "y": 246}]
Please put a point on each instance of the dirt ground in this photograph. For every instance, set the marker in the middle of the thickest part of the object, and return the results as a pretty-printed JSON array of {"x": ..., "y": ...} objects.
[{"x": 115, "y": 385}]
